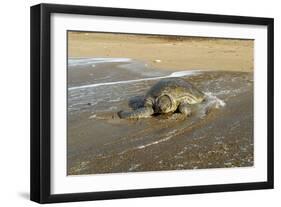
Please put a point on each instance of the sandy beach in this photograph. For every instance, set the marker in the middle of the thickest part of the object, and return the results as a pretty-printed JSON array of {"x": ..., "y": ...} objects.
[
  {"x": 172, "y": 53},
  {"x": 108, "y": 73}
]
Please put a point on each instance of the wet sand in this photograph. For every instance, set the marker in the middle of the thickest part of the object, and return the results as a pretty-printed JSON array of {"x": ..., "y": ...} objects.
[{"x": 100, "y": 142}]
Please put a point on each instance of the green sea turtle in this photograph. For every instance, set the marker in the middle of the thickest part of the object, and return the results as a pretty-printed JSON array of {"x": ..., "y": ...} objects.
[{"x": 167, "y": 96}]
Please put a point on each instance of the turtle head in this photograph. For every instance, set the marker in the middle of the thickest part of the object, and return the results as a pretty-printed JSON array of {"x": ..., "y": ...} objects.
[{"x": 164, "y": 104}]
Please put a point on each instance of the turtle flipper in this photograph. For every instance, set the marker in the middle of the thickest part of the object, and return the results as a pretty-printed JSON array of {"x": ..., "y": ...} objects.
[
  {"x": 185, "y": 109},
  {"x": 143, "y": 112}
]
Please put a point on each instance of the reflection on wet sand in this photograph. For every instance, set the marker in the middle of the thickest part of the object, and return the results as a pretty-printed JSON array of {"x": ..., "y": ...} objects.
[{"x": 100, "y": 142}]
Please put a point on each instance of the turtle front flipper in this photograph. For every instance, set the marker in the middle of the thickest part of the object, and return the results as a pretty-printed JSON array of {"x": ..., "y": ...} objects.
[
  {"x": 143, "y": 112},
  {"x": 185, "y": 109}
]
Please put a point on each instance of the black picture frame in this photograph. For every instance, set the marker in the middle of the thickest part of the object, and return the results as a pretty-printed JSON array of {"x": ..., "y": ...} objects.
[{"x": 41, "y": 99}]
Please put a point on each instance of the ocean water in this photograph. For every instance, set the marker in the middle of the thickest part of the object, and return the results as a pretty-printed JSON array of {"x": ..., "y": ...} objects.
[{"x": 98, "y": 92}]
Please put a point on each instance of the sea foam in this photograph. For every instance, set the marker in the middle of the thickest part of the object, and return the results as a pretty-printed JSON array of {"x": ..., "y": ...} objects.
[
  {"x": 174, "y": 74},
  {"x": 94, "y": 61}
]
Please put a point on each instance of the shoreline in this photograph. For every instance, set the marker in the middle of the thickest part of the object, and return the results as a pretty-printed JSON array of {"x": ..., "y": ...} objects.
[{"x": 100, "y": 142}]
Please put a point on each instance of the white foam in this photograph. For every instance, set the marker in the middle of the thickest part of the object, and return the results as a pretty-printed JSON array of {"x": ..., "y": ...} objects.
[
  {"x": 175, "y": 74},
  {"x": 92, "y": 116},
  {"x": 94, "y": 61},
  {"x": 183, "y": 73},
  {"x": 215, "y": 100},
  {"x": 169, "y": 136}
]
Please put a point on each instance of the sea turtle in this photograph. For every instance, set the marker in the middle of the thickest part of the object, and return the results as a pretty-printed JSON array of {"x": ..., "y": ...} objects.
[{"x": 167, "y": 96}]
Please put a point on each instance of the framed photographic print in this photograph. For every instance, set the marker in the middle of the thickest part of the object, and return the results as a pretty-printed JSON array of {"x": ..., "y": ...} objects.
[{"x": 133, "y": 103}]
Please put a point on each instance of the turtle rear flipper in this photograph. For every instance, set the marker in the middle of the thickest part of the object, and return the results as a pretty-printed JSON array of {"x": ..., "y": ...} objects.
[{"x": 143, "y": 112}]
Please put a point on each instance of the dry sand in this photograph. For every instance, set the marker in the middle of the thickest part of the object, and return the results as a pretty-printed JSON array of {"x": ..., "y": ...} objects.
[{"x": 166, "y": 52}]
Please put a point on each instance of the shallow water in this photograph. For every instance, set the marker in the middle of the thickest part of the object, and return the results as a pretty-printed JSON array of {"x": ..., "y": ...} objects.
[{"x": 100, "y": 142}]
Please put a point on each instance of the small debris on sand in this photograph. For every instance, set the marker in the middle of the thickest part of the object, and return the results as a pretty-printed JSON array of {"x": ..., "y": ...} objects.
[{"x": 157, "y": 61}]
